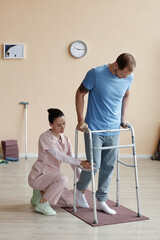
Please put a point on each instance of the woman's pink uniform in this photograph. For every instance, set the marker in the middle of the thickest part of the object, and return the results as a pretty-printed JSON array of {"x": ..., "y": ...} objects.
[{"x": 45, "y": 174}]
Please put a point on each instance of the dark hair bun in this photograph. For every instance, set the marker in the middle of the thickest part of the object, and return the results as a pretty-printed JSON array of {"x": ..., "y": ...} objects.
[
  {"x": 53, "y": 114},
  {"x": 50, "y": 110}
]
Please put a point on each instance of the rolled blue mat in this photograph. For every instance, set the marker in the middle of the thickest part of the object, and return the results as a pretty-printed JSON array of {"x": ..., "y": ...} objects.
[{"x": 12, "y": 159}]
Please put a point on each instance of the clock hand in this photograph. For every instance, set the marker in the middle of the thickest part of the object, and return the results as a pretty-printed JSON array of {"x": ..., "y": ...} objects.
[{"x": 80, "y": 48}]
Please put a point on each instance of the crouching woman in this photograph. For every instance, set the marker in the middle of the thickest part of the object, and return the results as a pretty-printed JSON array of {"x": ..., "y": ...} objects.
[{"x": 45, "y": 178}]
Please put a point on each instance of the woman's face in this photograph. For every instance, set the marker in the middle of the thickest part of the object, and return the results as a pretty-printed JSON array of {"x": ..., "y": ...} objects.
[{"x": 58, "y": 125}]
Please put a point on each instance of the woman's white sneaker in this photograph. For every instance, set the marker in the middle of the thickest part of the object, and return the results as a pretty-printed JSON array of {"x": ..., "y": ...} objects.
[{"x": 45, "y": 209}]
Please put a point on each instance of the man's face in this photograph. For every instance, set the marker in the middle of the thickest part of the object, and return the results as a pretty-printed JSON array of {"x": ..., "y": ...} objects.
[{"x": 122, "y": 73}]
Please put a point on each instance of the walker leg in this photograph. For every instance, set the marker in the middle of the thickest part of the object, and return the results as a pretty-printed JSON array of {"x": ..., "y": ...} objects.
[
  {"x": 136, "y": 175},
  {"x": 94, "y": 197},
  {"x": 137, "y": 185},
  {"x": 75, "y": 174},
  {"x": 117, "y": 183},
  {"x": 93, "y": 183},
  {"x": 75, "y": 190}
]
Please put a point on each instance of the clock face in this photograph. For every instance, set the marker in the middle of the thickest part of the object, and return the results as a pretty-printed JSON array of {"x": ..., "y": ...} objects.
[{"x": 78, "y": 49}]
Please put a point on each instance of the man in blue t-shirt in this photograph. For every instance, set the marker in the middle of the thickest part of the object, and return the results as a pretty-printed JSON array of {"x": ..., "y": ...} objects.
[{"x": 109, "y": 89}]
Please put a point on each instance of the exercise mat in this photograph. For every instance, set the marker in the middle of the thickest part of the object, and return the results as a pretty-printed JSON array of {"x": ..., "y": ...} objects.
[{"x": 123, "y": 214}]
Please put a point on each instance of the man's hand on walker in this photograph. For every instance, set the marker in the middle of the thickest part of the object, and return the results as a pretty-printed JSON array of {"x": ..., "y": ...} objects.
[
  {"x": 82, "y": 126},
  {"x": 124, "y": 124}
]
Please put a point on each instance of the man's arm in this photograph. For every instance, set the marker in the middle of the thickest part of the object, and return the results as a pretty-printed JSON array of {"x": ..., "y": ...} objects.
[
  {"x": 125, "y": 102},
  {"x": 81, "y": 92}
]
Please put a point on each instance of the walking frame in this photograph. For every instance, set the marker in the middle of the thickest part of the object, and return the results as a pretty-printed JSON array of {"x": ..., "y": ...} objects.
[{"x": 134, "y": 165}]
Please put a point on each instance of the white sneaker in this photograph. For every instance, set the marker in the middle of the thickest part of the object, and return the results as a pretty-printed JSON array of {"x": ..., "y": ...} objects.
[{"x": 45, "y": 209}]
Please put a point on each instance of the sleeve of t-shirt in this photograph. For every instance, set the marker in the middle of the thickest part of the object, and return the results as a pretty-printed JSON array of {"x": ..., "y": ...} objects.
[
  {"x": 90, "y": 79},
  {"x": 131, "y": 77}
]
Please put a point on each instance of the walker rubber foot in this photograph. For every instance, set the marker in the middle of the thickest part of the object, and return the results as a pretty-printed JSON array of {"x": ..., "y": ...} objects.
[
  {"x": 95, "y": 222},
  {"x": 139, "y": 215},
  {"x": 74, "y": 209}
]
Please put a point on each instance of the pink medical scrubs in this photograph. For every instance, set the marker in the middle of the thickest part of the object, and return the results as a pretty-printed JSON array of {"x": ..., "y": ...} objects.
[{"x": 45, "y": 174}]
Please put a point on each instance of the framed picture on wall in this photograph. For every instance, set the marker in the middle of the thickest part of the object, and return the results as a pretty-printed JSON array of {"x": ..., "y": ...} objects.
[{"x": 13, "y": 51}]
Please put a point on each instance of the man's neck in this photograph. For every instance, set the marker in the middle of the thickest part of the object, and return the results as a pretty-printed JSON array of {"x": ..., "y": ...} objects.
[{"x": 112, "y": 68}]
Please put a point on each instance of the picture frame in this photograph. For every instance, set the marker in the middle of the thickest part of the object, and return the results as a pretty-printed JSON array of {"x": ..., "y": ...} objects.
[{"x": 13, "y": 51}]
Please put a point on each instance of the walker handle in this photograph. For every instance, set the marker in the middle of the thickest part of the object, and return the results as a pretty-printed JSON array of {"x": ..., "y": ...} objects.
[
  {"x": 127, "y": 125},
  {"x": 86, "y": 129}
]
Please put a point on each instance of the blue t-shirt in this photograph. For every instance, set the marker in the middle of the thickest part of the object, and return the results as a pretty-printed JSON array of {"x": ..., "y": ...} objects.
[{"x": 106, "y": 92}]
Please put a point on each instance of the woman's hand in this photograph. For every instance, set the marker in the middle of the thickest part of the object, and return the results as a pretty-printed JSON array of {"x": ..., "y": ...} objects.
[{"x": 86, "y": 165}]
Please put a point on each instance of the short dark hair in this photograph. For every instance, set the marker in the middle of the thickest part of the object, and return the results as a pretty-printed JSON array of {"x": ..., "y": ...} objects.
[
  {"x": 126, "y": 60},
  {"x": 53, "y": 114}
]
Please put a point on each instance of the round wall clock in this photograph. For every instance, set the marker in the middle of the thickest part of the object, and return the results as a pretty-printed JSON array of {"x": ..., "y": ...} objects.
[{"x": 78, "y": 49}]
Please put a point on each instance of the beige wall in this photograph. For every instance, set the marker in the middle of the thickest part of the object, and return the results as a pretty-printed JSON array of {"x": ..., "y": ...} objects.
[{"x": 49, "y": 76}]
